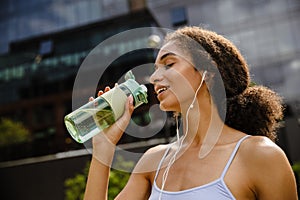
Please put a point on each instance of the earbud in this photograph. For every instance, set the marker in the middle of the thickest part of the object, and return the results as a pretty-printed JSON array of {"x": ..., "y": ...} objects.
[
  {"x": 204, "y": 74},
  {"x": 203, "y": 77}
]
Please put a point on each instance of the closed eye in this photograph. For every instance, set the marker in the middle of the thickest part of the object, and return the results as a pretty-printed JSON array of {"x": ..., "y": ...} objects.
[
  {"x": 169, "y": 65},
  {"x": 164, "y": 66}
]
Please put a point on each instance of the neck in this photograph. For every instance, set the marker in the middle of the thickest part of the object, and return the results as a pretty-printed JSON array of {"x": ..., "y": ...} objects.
[{"x": 202, "y": 125}]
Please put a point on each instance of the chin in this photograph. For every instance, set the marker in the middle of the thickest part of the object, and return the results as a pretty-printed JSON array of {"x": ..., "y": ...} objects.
[
  {"x": 162, "y": 107},
  {"x": 168, "y": 108}
]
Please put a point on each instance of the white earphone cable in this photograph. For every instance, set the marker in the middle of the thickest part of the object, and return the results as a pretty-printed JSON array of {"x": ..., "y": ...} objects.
[{"x": 180, "y": 143}]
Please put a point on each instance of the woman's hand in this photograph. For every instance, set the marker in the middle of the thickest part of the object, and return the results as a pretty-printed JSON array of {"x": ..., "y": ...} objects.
[{"x": 109, "y": 137}]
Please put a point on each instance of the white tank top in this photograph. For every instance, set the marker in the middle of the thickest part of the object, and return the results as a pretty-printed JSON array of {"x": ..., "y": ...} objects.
[{"x": 215, "y": 190}]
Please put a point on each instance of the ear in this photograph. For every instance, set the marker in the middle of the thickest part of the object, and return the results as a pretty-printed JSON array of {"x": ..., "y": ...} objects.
[
  {"x": 208, "y": 79},
  {"x": 208, "y": 75}
]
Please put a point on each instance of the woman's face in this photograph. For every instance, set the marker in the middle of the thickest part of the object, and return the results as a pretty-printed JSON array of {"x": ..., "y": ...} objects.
[{"x": 175, "y": 79}]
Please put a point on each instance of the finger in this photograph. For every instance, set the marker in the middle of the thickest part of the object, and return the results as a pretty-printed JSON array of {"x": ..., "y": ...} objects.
[
  {"x": 91, "y": 99},
  {"x": 107, "y": 88},
  {"x": 100, "y": 93},
  {"x": 130, "y": 102},
  {"x": 125, "y": 119}
]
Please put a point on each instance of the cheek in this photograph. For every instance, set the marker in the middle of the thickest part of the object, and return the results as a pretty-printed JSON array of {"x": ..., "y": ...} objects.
[{"x": 182, "y": 86}]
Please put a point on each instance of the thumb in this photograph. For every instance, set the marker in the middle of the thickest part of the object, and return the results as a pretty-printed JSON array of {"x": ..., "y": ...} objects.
[
  {"x": 118, "y": 128},
  {"x": 125, "y": 118}
]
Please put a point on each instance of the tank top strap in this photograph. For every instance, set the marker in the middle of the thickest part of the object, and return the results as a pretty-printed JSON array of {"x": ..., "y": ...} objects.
[
  {"x": 162, "y": 160},
  {"x": 233, "y": 155}
]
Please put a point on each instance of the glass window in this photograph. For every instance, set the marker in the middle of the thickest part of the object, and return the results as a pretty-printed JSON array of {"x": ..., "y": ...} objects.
[
  {"x": 273, "y": 75},
  {"x": 268, "y": 7},
  {"x": 11, "y": 28},
  {"x": 207, "y": 12},
  {"x": 113, "y": 8},
  {"x": 295, "y": 30},
  {"x": 56, "y": 9},
  {"x": 46, "y": 47},
  {"x": 82, "y": 10},
  {"x": 284, "y": 37},
  {"x": 226, "y": 11},
  {"x": 257, "y": 75},
  {"x": 4, "y": 45},
  {"x": 292, "y": 72},
  {"x": 277, "y": 6},
  {"x": 247, "y": 44},
  {"x": 22, "y": 26},
  {"x": 4, "y": 7},
  {"x": 69, "y": 15},
  {"x": 178, "y": 16},
  {"x": 293, "y": 4},
  {"x": 266, "y": 43},
  {"x": 243, "y": 10},
  {"x": 47, "y": 20},
  {"x": 36, "y": 23},
  {"x": 4, "y": 32},
  {"x": 95, "y": 10}
]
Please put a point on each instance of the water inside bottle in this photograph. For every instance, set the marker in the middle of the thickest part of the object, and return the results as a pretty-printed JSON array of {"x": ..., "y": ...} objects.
[{"x": 86, "y": 123}]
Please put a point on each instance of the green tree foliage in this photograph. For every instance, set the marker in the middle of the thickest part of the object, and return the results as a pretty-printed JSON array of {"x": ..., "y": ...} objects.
[
  {"x": 13, "y": 133},
  {"x": 75, "y": 186},
  {"x": 118, "y": 179},
  {"x": 296, "y": 168}
]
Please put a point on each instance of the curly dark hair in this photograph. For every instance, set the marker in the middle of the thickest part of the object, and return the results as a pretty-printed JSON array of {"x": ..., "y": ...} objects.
[{"x": 254, "y": 110}]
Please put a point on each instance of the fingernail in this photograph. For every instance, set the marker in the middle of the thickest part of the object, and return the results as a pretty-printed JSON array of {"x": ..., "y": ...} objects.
[{"x": 130, "y": 99}]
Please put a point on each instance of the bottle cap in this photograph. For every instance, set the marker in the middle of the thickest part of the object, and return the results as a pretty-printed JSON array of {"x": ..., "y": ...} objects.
[{"x": 139, "y": 92}]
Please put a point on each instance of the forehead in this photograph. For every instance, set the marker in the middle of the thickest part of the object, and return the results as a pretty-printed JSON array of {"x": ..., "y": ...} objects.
[{"x": 171, "y": 48}]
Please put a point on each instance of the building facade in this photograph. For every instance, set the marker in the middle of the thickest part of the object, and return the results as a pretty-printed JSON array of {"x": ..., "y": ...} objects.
[{"x": 38, "y": 71}]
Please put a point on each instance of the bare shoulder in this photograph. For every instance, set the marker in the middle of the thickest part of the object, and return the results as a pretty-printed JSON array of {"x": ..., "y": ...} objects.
[
  {"x": 268, "y": 169},
  {"x": 262, "y": 149},
  {"x": 140, "y": 181},
  {"x": 262, "y": 153},
  {"x": 151, "y": 158}
]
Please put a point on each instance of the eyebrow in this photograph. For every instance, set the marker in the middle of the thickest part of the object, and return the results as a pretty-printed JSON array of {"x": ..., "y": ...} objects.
[{"x": 166, "y": 55}]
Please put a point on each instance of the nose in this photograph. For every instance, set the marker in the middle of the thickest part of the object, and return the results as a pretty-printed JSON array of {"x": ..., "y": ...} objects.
[{"x": 156, "y": 76}]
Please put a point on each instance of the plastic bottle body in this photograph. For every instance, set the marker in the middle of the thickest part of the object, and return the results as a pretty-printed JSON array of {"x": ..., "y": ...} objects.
[
  {"x": 93, "y": 117},
  {"x": 89, "y": 120}
]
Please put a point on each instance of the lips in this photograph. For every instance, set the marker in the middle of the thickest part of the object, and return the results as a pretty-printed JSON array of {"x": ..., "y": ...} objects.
[{"x": 160, "y": 89}]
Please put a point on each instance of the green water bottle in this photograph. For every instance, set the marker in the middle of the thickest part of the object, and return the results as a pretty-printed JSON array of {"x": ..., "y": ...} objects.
[{"x": 91, "y": 118}]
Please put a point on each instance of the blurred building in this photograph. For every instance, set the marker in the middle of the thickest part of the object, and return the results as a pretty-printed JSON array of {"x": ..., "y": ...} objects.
[
  {"x": 42, "y": 55},
  {"x": 42, "y": 46}
]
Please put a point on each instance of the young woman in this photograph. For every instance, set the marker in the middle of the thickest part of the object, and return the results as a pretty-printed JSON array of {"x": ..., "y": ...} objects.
[{"x": 227, "y": 150}]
